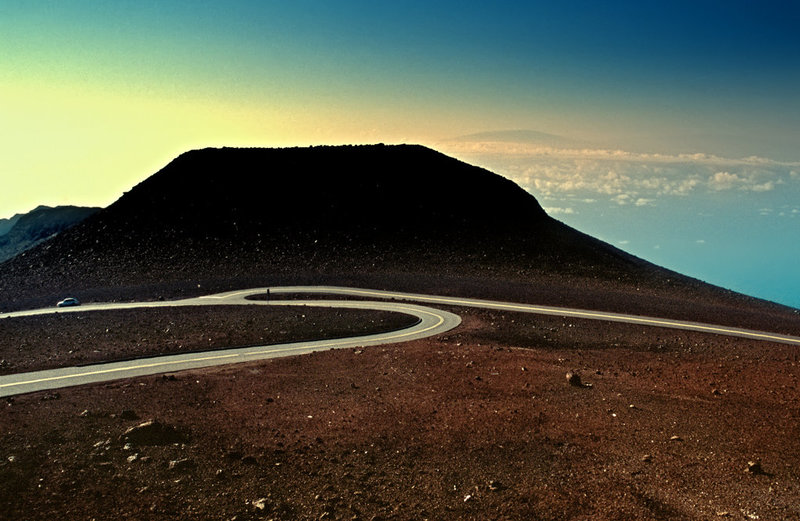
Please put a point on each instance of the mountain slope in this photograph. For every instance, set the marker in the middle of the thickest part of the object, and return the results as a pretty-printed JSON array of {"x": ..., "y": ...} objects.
[
  {"x": 7, "y": 224},
  {"x": 43, "y": 222},
  {"x": 400, "y": 217}
]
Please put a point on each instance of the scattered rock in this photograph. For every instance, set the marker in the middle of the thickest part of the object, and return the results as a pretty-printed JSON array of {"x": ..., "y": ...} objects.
[
  {"x": 675, "y": 438},
  {"x": 647, "y": 458},
  {"x": 152, "y": 432},
  {"x": 85, "y": 413},
  {"x": 234, "y": 455},
  {"x": 181, "y": 464},
  {"x": 128, "y": 414},
  {"x": 754, "y": 467},
  {"x": 260, "y": 504},
  {"x": 468, "y": 497},
  {"x": 574, "y": 379},
  {"x": 495, "y": 485},
  {"x": 132, "y": 457}
]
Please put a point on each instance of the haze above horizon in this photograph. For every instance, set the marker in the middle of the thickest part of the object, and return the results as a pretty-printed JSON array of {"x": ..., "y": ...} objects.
[{"x": 669, "y": 130}]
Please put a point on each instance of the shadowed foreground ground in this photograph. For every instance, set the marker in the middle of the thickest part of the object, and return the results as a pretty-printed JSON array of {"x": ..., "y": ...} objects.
[{"x": 479, "y": 424}]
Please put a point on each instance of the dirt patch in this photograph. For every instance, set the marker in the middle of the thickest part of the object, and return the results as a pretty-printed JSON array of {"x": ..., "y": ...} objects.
[
  {"x": 59, "y": 340},
  {"x": 478, "y": 424}
]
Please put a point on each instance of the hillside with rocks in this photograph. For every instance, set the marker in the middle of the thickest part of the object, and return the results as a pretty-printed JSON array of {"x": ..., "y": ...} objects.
[
  {"x": 395, "y": 217},
  {"x": 24, "y": 231}
]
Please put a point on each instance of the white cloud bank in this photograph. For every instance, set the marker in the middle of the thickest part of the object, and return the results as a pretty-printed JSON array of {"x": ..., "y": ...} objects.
[{"x": 627, "y": 178}]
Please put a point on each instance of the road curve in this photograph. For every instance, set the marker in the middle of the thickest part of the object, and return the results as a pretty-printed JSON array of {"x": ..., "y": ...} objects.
[{"x": 431, "y": 322}]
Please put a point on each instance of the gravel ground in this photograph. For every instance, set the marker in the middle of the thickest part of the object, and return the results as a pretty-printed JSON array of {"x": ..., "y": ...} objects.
[
  {"x": 48, "y": 341},
  {"x": 478, "y": 424}
]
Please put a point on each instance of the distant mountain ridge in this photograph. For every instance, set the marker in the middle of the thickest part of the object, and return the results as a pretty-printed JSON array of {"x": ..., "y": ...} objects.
[
  {"x": 7, "y": 224},
  {"x": 24, "y": 231}
]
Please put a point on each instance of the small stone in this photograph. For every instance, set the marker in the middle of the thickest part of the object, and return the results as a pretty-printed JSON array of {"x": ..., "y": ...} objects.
[
  {"x": 127, "y": 446},
  {"x": 647, "y": 458},
  {"x": 754, "y": 467},
  {"x": 249, "y": 460},
  {"x": 132, "y": 457},
  {"x": 574, "y": 379},
  {"x": 128, "y": 414},
  {"x": 495, "y": 485},
  {"x": 85, "y": 413},
  {"x": 181, "y": 464},
  {"x": 152, "y": 432},
  {"x": 676, "y": 438},
  {"x": 260, "y": 504}
]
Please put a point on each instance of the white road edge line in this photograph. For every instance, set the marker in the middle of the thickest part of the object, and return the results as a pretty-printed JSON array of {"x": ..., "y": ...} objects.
[{"x": 432, "y": 322}]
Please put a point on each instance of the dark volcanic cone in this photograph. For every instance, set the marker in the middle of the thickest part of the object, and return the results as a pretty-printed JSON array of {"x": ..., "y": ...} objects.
[{"x": 404, "y": 216}]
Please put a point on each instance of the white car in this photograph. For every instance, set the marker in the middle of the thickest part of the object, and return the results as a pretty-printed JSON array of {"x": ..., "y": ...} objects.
[{"x": 70, "y": 301}]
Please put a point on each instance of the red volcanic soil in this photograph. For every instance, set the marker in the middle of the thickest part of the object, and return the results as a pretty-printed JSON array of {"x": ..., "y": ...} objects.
[
  {"x": 59, "y": 340},
  {"x": 478, "y": 424},
  {"x": 481, "y": 423}
]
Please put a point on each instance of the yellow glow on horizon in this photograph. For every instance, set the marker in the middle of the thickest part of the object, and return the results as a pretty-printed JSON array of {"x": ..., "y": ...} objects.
[
  {"x": 82, "y": 143},
  {"x": 70, "y": 145}
]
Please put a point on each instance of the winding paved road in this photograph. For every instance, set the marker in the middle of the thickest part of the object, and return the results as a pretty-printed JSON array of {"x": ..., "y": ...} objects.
[{"x": 431, "y": 322}]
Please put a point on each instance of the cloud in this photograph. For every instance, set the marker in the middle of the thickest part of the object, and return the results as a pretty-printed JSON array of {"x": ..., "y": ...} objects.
[
  {"x": 727, "y": 181},
  {"x": 700, "y": 241},
  {"x": 623, "y": 243},
  {"x": 557, "y": 211},
  {"x": 723, "y": 181},
  {"x": 625, "y": 178},
  {"x": 622, "y": 199}
]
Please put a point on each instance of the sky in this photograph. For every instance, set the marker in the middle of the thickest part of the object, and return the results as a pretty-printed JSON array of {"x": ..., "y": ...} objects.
[{"x": 670, "y": 129}]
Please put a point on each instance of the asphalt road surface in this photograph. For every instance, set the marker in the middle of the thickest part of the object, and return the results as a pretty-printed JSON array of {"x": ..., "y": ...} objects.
[{"x": 431, "y": 322}]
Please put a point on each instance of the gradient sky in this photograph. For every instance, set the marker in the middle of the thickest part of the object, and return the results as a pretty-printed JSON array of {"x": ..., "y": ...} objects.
[{"x": 96, "y": 96}]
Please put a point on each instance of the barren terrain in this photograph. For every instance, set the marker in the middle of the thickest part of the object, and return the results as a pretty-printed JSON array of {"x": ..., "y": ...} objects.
[
  {"x": 508, "y": 416},
  {"x": 59, "y": 340},
  {"x": 479, "y": 424}
]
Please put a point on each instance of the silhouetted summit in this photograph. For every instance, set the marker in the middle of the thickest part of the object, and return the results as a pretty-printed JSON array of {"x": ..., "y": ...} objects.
[
  {"x": 350, "y": 189},
  {"x": 345, "y": 210}
]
